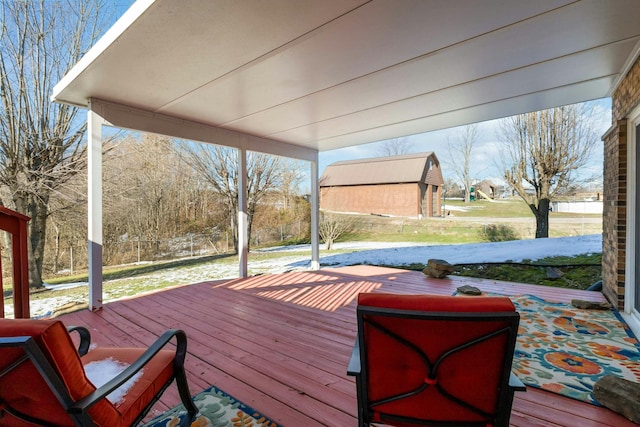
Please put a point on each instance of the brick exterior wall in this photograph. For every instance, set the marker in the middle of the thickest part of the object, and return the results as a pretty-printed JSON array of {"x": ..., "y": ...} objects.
[
  {"x": 614, "y": 228},
  {"x": 627, "y": 95},
  {"x": 614, "y": 218},
  {"x": 384, "y": 199}
]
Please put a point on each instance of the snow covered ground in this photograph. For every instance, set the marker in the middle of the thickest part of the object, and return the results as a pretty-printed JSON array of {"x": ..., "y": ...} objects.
[
  {"x": 398, "y": 254},
  {"x": 410, "y": 253}
]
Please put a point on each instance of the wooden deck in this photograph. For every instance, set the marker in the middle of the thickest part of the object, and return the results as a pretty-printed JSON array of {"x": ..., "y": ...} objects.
[{"x": 281, "y": 343}]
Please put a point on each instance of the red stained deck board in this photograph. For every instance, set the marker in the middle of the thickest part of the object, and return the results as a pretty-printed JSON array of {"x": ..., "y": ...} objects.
[
  {"x": 258, "y": 355},
  {"x": 568, "y": 416},
  {"x": 569, "y": 411},
  {"x": 214, "y": 368},
  {"x": 265, "y": 327},
  {"x": 280, "y": 343},
  {"x": 245, "y": 364}
]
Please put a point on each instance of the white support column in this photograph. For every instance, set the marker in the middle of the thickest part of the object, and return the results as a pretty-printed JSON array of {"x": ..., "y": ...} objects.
[
  {"x": 243, "y": 231},
  {"x": 315, "y": 215},
  {"x": 94, "y": 153}
]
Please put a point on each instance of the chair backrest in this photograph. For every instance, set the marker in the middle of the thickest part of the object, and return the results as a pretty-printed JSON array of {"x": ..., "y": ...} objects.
[
  {"x": 41, "y": 374},
  {"x": 435, "y": 358}
]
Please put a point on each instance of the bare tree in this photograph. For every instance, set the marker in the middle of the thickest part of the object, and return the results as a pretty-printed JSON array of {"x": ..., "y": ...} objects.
[
  {"x": 219, "y": 166},
  {"x": 332, "y": 226},
  {"x": 395, "y": 147},
  {"x": 41, "y": 144},
  {"x": 542, "y": 152},
  {"x": 66, "y": 223},
  {"x": 142, "y": 187},
  {"x": 460, "y": 151},
  {"x": 292, "y": 176}
]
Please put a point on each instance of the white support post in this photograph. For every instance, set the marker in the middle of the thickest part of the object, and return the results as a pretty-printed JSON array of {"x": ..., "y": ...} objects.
[
  {"x": 94, "y": 152},
  {"x": 315, "y": 216},
  {"x": 243, "y": 231}
]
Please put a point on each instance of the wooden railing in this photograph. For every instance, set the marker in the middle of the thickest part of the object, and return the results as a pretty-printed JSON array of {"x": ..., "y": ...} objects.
[{"x": 16, "y": 224}]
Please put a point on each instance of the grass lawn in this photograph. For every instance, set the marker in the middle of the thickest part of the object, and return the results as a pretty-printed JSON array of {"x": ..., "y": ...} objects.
[
  {"x": 469, "y": 223},
  {"x": 503, "y": 208},
  {"x": 577, "y": 272}
]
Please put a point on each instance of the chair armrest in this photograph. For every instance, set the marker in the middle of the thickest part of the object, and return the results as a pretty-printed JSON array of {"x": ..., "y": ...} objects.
[
  {"x": 515, "y": 383},
  {"x": 181, "y": 350},
  {"x": 85, "y": 338},
  {"x": 354, "y": 367}
]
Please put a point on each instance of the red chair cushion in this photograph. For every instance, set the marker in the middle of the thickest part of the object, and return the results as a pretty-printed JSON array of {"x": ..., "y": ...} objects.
[
  {"x": 472, "y": 374},
  {"x": 157, "y": 373},
  {"x": 436, "y": 303},
  {"x": 25, "y": 390}
]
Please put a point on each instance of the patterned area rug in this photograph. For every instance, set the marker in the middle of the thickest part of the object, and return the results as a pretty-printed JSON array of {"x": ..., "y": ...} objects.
[
  {"x": 566, "y": 350},
  {"x": 217, "y": 409}
]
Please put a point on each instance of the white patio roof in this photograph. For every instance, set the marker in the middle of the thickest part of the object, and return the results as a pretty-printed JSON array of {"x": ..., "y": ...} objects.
[
  {"x": 295, "y": 77},
  {"x": 325, "y": 74}
]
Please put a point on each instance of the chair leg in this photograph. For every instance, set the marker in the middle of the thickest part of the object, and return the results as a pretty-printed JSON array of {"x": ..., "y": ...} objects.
[
  {"x": 181, "y": 376},
  {"x": 185, "y": 397},
  {"x": 362, "y": 422}
]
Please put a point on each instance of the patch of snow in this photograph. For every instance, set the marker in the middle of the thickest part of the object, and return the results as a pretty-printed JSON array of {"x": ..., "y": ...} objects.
[
  {"x": 64, "y": 285},
  {"x": 399, "y": 254},
  {"x": 348, "y": 253},
  {"x": 516, "y": 250},
  {"x": 102, "y": 371}
]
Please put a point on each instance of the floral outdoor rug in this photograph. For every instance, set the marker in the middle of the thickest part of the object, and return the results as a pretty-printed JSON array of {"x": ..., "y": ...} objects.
[
  {"x": 216, "y": 409},
  {"x": 566, "y": 350}
]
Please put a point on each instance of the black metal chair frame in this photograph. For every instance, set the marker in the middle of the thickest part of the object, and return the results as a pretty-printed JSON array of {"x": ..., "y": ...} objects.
[
  {"x": 78, "y": 410},
  {"x": 510, "y": 383}
]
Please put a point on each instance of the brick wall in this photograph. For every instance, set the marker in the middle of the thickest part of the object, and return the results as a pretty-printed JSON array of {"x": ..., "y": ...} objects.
[
  {"x": 388, "y": 199},
  {"x": 614, "y": 218},
  {"x": 627, "y": 95},
  {"x": 614, "y": 228}
]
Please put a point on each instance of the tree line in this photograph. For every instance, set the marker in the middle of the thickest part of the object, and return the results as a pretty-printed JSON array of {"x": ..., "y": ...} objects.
[{"x": 156, "y": 188}]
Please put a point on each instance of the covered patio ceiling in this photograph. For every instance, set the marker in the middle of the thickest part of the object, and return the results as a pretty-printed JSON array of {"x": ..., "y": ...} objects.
[
  {"x": 297, "y": 77},
  {"x": 326, "y": 74}
]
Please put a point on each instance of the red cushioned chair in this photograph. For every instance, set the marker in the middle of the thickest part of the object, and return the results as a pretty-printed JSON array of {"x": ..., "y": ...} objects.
[
  {"x": 43, "y": 380},
  {"x": 434, "y": 360}
]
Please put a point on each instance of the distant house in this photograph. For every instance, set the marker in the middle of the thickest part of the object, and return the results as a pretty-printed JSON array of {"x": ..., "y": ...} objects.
[
  {"x": 486, "y": 189},
  {"x": 407, "y": 185}
]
